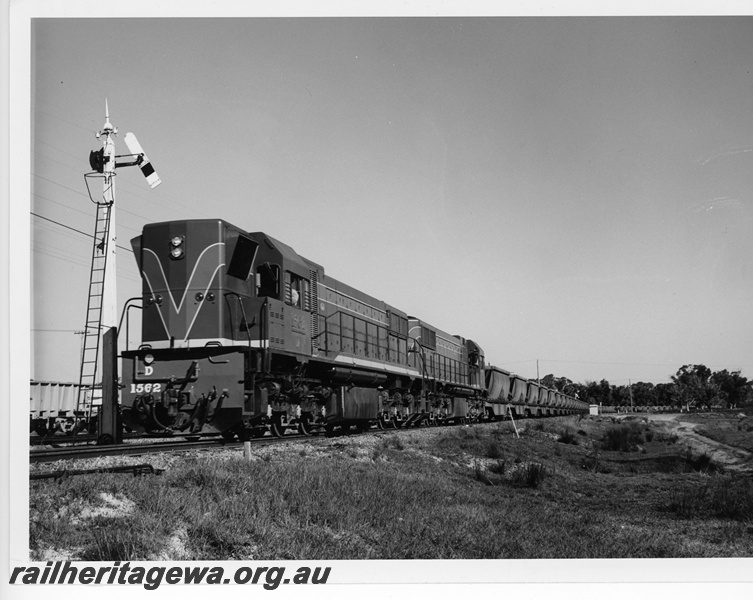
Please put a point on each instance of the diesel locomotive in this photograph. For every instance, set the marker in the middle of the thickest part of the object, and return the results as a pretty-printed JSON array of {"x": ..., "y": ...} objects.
[{"x": 241, "y": 335}]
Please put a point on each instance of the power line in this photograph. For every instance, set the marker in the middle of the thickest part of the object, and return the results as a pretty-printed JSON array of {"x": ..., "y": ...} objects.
[
  {"x": 74, "y": 229},
  {"x": 81, "y": 263},
  {"x": 80, "y": 193},
  {"x": 78, "y": 211},
  {"x": 39, "y": 110}
]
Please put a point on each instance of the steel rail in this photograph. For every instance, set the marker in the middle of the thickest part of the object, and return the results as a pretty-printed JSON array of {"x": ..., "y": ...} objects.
[
  {"x": 78, "y": 452},
  {"x": 93, "y": 451}
]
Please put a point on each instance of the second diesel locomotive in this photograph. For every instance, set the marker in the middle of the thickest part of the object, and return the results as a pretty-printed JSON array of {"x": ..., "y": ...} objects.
[{"x": 240, "y": 334}]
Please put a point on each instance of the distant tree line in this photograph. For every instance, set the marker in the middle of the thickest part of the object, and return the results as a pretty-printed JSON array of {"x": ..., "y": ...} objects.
[{"x": 692, "y": 387}]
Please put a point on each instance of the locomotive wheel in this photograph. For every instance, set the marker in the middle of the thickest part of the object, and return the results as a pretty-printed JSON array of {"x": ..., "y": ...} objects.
[
  {"x": 345, "y": 428},
  {"x": 277, "y": 428},
  {"x": 329, "y": 430},
  {"x": 304, "y": 425},
  {"x": 394, "y": 423}
]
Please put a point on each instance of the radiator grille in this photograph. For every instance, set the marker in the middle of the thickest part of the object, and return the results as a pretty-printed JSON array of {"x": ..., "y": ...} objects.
[{"x": 314, "y": 303}]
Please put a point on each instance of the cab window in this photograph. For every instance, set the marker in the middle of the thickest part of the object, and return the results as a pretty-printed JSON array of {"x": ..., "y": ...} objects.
[
  {"x": 268, "y": 280},
  {"x": 296, "y": 291}
]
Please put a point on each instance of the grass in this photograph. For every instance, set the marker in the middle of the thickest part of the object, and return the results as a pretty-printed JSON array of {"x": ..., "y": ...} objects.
[
  {"x": 464, "y": 492},
  {"x": 725, "y": 497}
]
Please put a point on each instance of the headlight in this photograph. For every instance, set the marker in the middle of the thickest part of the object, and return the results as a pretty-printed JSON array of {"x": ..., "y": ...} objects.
[
  {"x": 176, "y": 247},
  {"x": 148, "y": 359}
]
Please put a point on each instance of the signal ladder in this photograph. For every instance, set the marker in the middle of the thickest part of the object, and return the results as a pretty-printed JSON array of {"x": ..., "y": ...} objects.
[{"x": 90, "y": 351}]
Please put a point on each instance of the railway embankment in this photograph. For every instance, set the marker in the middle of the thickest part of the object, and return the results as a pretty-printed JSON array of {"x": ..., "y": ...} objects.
[{"x": 636, "y": 486}]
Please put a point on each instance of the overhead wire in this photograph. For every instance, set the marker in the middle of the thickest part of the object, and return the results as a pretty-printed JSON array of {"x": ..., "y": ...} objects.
[{"x": 76, "y": 230}]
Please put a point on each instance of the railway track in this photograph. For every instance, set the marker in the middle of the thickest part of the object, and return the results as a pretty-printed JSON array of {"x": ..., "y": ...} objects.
[
  {"x": 83, "y": 451},
  {"x": 79, "y": 452},
  {"x": 58, "y": 440}
]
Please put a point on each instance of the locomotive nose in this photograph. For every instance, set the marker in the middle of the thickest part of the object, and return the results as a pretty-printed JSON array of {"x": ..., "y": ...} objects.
[{"x": 181, "y": 266}]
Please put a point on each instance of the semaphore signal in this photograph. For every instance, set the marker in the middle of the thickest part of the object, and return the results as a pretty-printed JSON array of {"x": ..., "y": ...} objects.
[{"x": 101, "y": 310}]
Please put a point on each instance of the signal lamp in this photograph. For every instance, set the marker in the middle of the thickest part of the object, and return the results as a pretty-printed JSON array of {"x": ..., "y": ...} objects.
[{"x": 148, "y": 359}]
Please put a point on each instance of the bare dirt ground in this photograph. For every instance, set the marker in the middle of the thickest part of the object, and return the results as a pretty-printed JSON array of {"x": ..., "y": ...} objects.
[{"x": 730, "y": 457}]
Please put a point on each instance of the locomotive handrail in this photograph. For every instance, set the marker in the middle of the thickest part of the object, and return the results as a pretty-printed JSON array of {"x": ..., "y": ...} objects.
[
  {"x": 422, "y": 356},
  {"x": 243, "y": 314},
  {"x": 210, "y": 359},
  {"x": 264, "y": 353},
  {"x": 126, "y": 314}
]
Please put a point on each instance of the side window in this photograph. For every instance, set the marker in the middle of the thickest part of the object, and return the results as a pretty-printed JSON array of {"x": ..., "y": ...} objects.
[
  {"x": 268, "y": 280},
  {"x": 296, "y": 291}
]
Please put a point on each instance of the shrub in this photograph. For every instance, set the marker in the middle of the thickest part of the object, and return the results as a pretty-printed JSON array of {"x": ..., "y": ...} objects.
[
  {"x": 623, "y": 438},
  {"x": 493, "y": 451},
  {"x": 567, "y": 437},
  {"x": 499, "y": 467},
  {"x": 667, "y": 438},
  {"x": 591, "y": 462},
  {"x": 529, "y": 475},
  {"x": 702, "y": 463},
  {"x": 479, "y": 473}
]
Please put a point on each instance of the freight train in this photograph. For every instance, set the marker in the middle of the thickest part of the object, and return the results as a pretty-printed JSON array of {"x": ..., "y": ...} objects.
[{"x": 240, "y": 335}]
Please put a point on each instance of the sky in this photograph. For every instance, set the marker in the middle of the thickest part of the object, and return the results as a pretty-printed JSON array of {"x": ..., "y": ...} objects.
[{"x": 572, "y": 193}]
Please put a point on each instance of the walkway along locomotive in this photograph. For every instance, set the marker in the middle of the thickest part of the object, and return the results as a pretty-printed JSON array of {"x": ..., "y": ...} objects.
[{"x": 240, "y": 334}]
